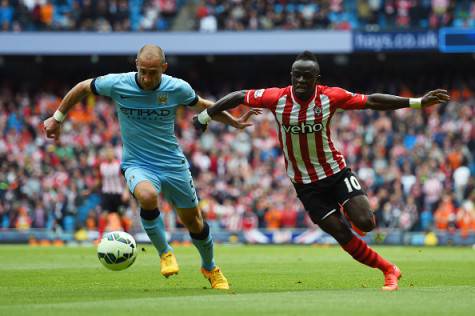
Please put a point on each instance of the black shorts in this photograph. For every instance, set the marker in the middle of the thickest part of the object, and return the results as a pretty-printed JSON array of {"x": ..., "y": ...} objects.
[
  {"x": 111, "y": 202},
  {"x": 324, "y": 197}
]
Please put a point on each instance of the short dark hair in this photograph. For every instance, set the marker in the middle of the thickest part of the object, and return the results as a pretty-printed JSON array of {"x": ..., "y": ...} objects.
[{"x": 307, "y": 55}]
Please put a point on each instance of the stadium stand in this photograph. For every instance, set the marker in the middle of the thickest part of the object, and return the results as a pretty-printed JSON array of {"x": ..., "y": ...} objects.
[
  {"x": 88, "y": 15},
  {"x": 416, "y": 166},
  {"x": 374, "y": 15},
  {"x": 214, "y": 15}
]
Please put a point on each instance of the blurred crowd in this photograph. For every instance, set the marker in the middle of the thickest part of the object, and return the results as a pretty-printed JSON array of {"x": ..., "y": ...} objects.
[
  {"x": 87, "y": 15},
  {"x": 417, "y": 166},
  {"x": 236, "y": 15},
  {"x": 370, "y": 15}
]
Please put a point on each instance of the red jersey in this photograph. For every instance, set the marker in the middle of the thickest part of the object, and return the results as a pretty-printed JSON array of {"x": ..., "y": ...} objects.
[{"x": 304, "y": 128}]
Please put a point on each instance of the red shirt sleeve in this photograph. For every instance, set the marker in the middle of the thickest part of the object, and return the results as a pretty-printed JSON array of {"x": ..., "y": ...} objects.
[
  {"x": 263, "y": 98},
  {"x": 346, "y": 100}
]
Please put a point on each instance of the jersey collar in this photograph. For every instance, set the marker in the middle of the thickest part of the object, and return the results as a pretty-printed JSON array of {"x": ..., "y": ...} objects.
[{"x": 304, "y": 102}]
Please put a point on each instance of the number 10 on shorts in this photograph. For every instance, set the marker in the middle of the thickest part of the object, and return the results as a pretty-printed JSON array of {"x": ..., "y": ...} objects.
[{"x": 352, "y": 184}]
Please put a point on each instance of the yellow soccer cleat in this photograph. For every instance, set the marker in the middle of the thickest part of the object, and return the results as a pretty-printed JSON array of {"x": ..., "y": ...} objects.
[
  {"x": 168, "y": 264},
  {"x": 216, "y": 278}
]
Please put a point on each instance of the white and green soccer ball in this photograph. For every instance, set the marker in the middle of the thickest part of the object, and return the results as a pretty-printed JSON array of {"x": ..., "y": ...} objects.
[{"x": 117, "y": 250}]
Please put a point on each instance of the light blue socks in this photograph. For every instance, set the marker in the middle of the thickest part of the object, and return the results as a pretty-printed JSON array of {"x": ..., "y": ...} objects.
[
  {"x": 155, "y": 229},
  {"x": 204, "y": 243}
]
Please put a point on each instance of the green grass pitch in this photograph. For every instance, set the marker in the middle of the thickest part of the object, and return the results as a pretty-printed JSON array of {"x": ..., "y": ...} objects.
[{"x": 265, "y": 280}]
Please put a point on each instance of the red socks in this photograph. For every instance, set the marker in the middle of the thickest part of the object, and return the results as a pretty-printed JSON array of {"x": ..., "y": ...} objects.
[
  {"x": 101, "y": 225},
  {"x": 360, "y": 251}
]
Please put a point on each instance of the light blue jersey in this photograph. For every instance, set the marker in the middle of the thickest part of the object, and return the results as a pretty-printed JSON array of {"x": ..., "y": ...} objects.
[{"x": 147, "y": 119}]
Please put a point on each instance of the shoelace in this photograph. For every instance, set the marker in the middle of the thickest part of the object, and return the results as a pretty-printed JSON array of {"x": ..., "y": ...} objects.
[
  {"x": 167, "y": 258},
  {"x": 218, "y": 276}
]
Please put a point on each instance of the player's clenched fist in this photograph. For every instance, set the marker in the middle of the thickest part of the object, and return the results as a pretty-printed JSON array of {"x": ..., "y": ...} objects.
[
  {"x": 52, "y": 128},
  {"x": 198, "y": 125}
]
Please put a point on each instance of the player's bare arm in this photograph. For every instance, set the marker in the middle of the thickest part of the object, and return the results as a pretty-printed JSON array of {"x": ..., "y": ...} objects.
[
  {"x": 214, "y": 112},
  {"x": 219, "y": 113},
  {"x": 52, "y": 125},
  {"x": 387, "y": 102},
  {"x": 229, "y": 101}
]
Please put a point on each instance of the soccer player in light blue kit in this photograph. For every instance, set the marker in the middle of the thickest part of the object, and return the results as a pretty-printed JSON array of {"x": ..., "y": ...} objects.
[{"x": 153, "y": 162}]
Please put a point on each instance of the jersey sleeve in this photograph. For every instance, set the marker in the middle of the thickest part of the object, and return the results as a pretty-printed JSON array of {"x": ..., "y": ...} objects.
[
  {"x": 103, "y": 85},
  {"x": 186, "y": 95},
  {"x": 346, "y": 100},
  {"x": 262, "y": 98}
]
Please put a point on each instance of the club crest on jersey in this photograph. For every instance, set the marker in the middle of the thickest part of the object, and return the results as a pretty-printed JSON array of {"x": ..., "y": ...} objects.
[
  {"x": 162, "y": 99},
  {"x": 318, "y": 110}
]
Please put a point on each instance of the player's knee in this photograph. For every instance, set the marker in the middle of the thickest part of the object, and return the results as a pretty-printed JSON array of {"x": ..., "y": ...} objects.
[
  {"x": 365, "y": 220},
  {"x": 147, "y": 198}
]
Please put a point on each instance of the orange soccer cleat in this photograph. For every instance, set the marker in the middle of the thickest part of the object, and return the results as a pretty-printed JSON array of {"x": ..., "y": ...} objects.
[
  {"x": 168, "y": 264},
  {"x": 391, "y": 278},
  {"x": 216, "y": 278}
]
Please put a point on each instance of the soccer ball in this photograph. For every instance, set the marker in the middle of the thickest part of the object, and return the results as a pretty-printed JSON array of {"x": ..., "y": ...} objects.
[{"x": 117, "y": 250}]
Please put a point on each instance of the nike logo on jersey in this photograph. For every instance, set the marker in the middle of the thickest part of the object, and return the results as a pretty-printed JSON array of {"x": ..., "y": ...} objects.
[{"x": 127, "y": 96}]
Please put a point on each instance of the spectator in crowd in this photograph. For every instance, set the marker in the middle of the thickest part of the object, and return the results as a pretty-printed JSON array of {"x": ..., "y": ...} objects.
[
  {"x": 445, "y": 214},
  {"x": 239, "y": 15},
  {"x": 87, "y": 15},
  {"x": 466, "y": 215},
  {"x": 335, "y": 14},
  {"x": 6, "y": 15}
]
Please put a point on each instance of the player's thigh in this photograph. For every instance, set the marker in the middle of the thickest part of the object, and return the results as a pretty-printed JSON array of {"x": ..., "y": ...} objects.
[
  {"x": 360, "y": 213},
  {"x": 354, "y": 201},
  {"x": 178, "y": 188},
  {"x": 318, "y": 204},
  {"x": 144, "y": 184},
  {"x": 346, "y": 187}
]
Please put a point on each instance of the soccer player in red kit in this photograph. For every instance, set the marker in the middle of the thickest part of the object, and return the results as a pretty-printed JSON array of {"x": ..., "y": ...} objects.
[
  {"x": 318, "y": 171},
  {"x": 114, "y": 192}
]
